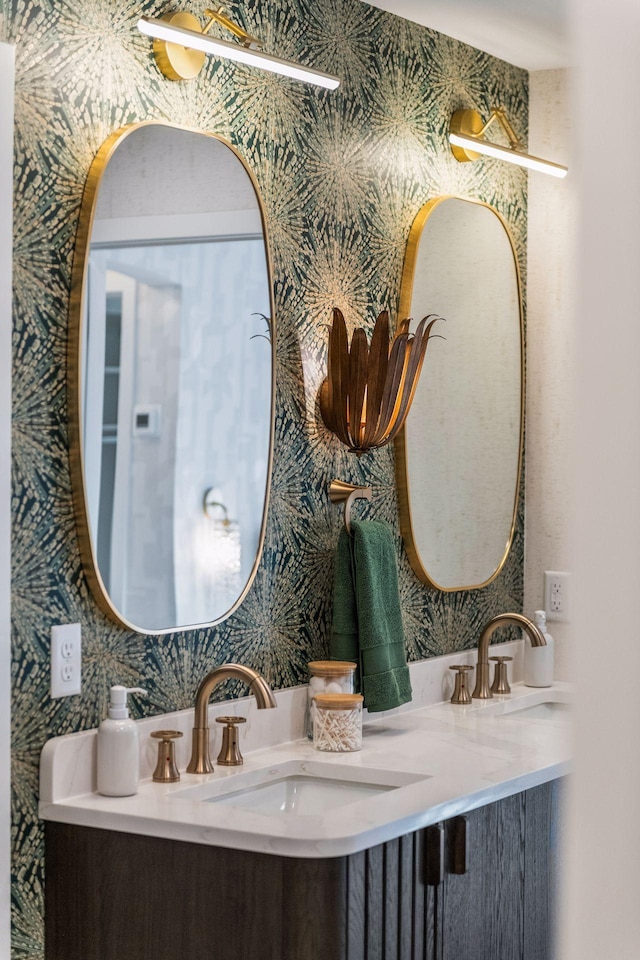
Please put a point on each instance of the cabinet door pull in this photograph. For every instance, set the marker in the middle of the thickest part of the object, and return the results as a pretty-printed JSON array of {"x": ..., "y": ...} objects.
[
  {"x": 434, "y": 872},
  {"x": 458, "y": 847}
]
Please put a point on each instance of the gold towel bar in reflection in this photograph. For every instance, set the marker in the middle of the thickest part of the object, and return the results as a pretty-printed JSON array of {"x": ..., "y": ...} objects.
[{"x": 341, "y": 492}]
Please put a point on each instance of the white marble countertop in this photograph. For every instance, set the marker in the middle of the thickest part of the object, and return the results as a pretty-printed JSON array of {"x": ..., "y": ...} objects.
[{"x": 451, "y": 759}]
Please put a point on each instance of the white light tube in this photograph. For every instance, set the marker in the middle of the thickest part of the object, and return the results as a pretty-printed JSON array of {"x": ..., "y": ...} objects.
[
  {"x": 505, "y": 153},
  {"x": 234, "y": 51}
]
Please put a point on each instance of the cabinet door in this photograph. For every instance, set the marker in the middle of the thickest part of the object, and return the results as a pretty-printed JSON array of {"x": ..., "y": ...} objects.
[
  {"x": 480, "y": 911},
  {"x": 391, "y": 910},
  {"x": 541, "y": 869}
]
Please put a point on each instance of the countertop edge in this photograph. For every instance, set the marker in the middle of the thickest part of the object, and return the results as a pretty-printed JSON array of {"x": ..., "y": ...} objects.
[{"x": 312, "y": 847}]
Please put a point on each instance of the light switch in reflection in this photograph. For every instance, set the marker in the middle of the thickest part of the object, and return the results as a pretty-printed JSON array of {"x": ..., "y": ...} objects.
[{"x": 147, "y": 420}]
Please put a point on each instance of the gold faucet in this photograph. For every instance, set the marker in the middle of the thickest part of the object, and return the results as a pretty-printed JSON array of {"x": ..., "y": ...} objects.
[
  {"x": 200, "y": 761},
  {"x": 481, "y": 690}
]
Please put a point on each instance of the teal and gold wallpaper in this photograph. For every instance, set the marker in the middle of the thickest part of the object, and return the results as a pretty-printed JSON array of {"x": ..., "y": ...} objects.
[{"x": 342, "y": 175}]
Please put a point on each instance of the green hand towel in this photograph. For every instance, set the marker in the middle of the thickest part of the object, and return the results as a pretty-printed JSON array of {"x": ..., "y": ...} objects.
[{"x": 367, "y": 623}]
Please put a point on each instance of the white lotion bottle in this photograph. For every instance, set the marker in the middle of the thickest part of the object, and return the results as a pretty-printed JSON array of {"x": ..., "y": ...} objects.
[
  {"x": 538, "y": 661},
  {"x": 118, "y": 749}
]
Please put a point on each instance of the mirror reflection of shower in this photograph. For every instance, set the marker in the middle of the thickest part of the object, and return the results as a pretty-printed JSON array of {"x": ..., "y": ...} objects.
[
  {"x": 176, "y": 381},
  {"x": 146, "y": 462}
]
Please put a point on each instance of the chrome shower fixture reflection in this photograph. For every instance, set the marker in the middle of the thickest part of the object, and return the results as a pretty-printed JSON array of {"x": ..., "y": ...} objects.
[
  {"x": 180, "y": 45},
  {"x": 466, "y": 136}
]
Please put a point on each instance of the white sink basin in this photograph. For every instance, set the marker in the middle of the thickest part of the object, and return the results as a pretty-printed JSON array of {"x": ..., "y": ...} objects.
[
  {"x": 299, "y": 788},
  {"x": 301, "y": 795},
  {"x": 547, "y": 710},
  {"x": 546, "y": 703}
]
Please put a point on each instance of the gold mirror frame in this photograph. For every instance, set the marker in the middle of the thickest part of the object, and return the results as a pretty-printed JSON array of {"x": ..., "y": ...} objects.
[
  {"x": 74, "y": 383},
  {"x": 400, "y": 443}
]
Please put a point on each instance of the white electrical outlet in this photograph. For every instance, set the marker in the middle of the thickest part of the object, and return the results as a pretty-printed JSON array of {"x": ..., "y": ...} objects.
[
  {"x": 66, "y": 660},
  {"x": 556, "y": 594}
]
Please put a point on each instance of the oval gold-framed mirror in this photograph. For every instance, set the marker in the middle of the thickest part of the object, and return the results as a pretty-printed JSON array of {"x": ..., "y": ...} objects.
[
  {"x": 459, "y": 455},
  {"x": 171, "y": 378}
]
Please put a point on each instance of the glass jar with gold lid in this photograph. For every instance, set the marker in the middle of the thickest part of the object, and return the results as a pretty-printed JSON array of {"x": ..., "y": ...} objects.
[
  {"x": 337, "y": 722},
  {"x": 328, "y": 676}
]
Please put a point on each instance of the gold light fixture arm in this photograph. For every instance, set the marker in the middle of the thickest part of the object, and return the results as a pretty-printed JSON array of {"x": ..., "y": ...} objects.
[
  {"x": 498, "y": 115},
  {"x": 220, "y": 17}
]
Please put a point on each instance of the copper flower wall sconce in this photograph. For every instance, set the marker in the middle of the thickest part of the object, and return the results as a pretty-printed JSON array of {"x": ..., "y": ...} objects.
[{"x": 368, "y": 391}]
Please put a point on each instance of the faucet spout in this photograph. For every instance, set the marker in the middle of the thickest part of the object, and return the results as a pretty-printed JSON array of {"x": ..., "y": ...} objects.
[
  {"x": 481, "y": 690},
  {"x": 200, "y": 760}
]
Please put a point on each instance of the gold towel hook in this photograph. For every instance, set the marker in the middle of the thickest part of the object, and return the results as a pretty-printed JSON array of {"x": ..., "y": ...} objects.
[{"x": 341, "y": 492}]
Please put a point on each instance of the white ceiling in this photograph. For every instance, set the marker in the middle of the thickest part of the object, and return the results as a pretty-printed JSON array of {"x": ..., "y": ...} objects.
[{"x": 528, "y": 33}]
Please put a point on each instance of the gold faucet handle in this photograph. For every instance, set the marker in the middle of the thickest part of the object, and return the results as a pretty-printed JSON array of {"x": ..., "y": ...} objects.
[
  {"x": 461, "y": 690},
  {"x": 500, "y": 678},
  {"x": 166, "y": 770},
  {"x": 230, "y": 755}
]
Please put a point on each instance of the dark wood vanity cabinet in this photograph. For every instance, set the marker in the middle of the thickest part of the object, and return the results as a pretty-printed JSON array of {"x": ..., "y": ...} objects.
[
  {"x": 111, "y": 895},
  {"x": 503, "y": 906}
]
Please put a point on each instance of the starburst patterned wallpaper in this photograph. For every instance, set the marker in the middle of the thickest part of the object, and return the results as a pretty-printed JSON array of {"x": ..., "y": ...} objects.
[{"x": 342, "y": 176}]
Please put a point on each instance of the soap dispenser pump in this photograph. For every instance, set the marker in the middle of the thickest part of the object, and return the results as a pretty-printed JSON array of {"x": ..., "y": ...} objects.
[
  {"x": 118, "y": 750},
  {"x": 538, "y": 661}
]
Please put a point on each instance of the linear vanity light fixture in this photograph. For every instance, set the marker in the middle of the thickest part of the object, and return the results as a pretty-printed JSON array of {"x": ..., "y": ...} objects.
[
  {"x": 181, "y": 44},
  {"x": 466, "y": 136},
  {"x": 368, "y": 391}
]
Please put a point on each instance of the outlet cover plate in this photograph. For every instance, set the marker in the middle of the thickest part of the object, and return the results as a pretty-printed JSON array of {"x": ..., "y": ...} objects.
[
  {"x": 557, "y": 595},
  {"x": 66, "y": 660}
]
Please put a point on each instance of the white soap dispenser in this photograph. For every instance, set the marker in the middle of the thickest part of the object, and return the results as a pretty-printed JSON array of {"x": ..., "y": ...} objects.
[
  {"x": 118, "y": 750},
  {"x": 538, "y": 661}
]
